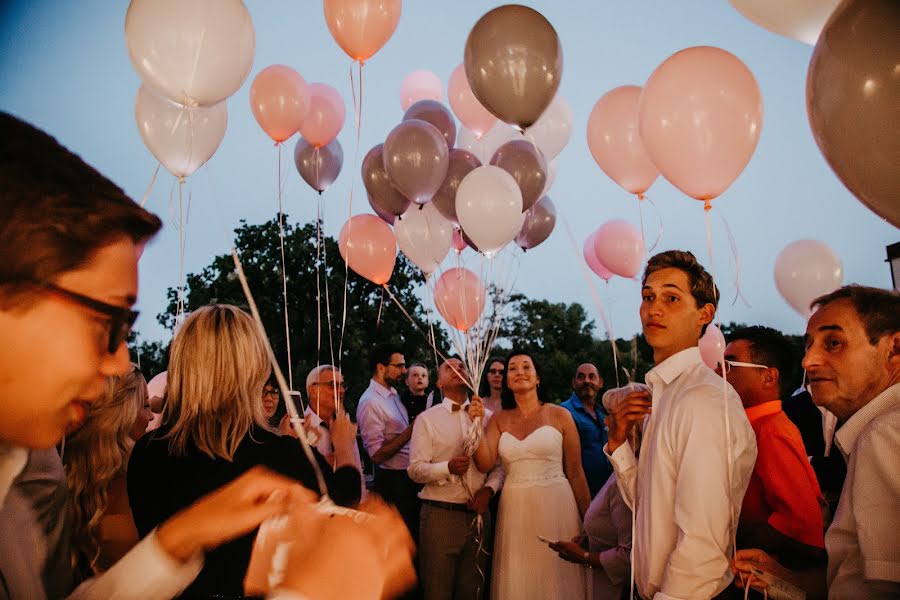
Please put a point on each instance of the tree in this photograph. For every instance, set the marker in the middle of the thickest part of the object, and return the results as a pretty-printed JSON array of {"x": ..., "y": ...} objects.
[{"x": 371, "y": 316}]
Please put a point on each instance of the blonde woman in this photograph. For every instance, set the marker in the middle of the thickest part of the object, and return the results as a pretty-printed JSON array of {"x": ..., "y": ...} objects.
[
  {"x": 95, "y": 459},
  {"x": 213, "y": 431}
]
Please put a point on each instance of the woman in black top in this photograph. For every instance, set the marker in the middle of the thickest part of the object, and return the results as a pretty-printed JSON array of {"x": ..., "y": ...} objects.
[{"x": 212, "y": 433}]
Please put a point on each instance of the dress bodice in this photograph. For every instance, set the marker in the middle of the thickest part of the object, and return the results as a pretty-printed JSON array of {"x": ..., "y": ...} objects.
[{"x": 536, "y": 458}]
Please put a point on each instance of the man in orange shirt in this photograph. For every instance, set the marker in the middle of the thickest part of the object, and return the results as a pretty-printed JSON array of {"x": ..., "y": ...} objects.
[{"x": 781, "y": 512}]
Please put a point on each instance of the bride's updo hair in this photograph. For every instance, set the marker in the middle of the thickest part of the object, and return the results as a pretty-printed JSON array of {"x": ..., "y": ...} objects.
[{"x": 507, "y": 400}]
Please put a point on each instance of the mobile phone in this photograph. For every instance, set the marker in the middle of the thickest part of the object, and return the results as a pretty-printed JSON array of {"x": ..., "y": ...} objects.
[
  {"x": 545, "y": 540},
  {"x": 779, "y": 589}
]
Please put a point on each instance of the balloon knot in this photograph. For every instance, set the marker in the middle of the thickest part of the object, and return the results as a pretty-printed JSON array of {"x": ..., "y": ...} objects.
[
  {"x": 181, "y": 180},
  {"x": 707, "y": 206},
  {"x": 640, "y": 196}
]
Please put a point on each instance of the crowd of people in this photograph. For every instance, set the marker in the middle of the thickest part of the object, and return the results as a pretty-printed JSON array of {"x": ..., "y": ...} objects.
[{"x": 700, "y": 483}]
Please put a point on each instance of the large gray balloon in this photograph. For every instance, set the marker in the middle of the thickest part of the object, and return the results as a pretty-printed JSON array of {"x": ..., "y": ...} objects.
[
  {"x": 387, "y": 217},
  {"x": 526, "y": 163},
  {"x": 540, "y": 220},
  {"x": 437, "y": 114},
  {"x": 416, "y": 157},
  {"x": 381, "y": 191},
  {"x": 461, "y": 163},
  {"x": 318, "y": 166}
]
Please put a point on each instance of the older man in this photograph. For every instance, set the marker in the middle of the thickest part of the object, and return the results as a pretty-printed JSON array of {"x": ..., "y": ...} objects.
[
  {"x": 852, "y": 363},
  {"x": 589, "y": 417},
  {"x": 453, "y": 549}
]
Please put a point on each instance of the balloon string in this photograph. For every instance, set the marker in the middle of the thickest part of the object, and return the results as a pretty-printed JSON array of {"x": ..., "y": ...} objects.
[
  {"x": 737, "y": 264},
  {"x": 179, "y": 311},
  {"x": 327, "y": 294},
  {"x": 318, "y": 280},
  {"x": 659, "y": 232},
  {"x": 641, "y": 217},
  {"x": 287, "y": 326},
  {"x": 380, "y": 307},
  {"x": 150, "y": 187}
]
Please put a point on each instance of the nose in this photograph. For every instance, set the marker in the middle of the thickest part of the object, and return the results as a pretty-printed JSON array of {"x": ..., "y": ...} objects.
[
  {"x": 116, "y": 363},
  {"x": 812, "y": 358}
]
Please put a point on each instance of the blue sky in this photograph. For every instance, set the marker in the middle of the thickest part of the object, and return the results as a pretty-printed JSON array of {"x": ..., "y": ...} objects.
[{"x": 64, "y": 66}]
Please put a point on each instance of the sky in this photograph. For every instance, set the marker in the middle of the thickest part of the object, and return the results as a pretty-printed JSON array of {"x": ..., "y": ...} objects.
[{"x": 64, "y": 66}]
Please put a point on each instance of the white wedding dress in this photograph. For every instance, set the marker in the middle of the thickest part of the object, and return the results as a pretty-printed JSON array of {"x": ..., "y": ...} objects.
[{"x": 536, "y": 501}]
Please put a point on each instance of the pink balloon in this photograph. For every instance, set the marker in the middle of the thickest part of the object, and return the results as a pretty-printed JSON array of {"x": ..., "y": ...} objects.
[
  {"x": 459, "y": 297},
  {"x": 362, "y": 27},
  {"x": 712, "y": 346},
  {"x": 279, "y": 98},
  {"x": 619, "y": 247},
  {"x": 465, "y": 105},
  {"x": 805, "y": 270},
  {"x": 325, "y": 116},
  {"x": 369, "y": 247},
  {"x": 590, "y": 256},
  {"x": 420, "y": 85},
  {"x": 458, "y": 242},
  {"x": 615, "y": 142},
  {"x": 700, "y": 119}
]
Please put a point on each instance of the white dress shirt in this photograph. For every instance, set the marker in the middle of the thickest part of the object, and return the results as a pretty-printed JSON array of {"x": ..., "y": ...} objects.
[
  {"x": 438, "y": 435},
  {"x": 382, "y": 417},
  {"x": 326, "y": 448},
  {"x": 687, "y": 512},
  {"x": 862, "y": 543}
]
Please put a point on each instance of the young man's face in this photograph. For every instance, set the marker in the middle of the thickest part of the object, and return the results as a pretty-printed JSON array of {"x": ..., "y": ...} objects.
[
  {"x": 670, "y": 317},
  {"x": 749, "y": 382},
  {"x": 845, "y": 371},
  {"x": 417, "y": 380},
  {"x": 54, "y": 359}
]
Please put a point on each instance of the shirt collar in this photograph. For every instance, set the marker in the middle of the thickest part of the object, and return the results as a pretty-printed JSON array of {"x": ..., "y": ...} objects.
[
  {"x": 310, "y": 414},
  {"x": 12, "y": 461},
  {"x": 447, "y": 403},
  {"x": 382, "y": 391},
  {"x": 754, "y": 413},
  {"x": 848, "y": 433},
  {"x": 668, "y": 370}
]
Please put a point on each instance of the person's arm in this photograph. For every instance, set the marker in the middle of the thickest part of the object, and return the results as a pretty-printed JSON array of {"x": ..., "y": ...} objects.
[
  {"x": 702, "y": 510},
  {"x": 572, "y": 461},
  {"x": 486, "y": 454},
  {"x": 392, "y": 447},
  {"x": 343, "y": 440},
  {"x": 634, "y": 408},
  {"x": 371, "y": 423},
  {"x": 422, "y": 467},
  {"x": 811, "y": 581},
  {"x": 616, "y": 561}
]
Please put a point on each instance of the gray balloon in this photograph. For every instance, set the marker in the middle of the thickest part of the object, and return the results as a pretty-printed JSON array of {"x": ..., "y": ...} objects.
[
  {"x": 526, "y": 163},
  {"x": 387, "y": 217},
  {"x": 381, "y": 191},
  {"x": 416, "y": 157},
  {"x": 540, "y": 220},
  {"x": 462, "y": 162},
  {"x": 437, "y": 114},
  {"x": 318, "y": 166}
]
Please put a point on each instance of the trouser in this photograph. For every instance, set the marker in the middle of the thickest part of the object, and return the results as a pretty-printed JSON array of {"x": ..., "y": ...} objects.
[
  {"x": 453, "y": 552},
  {"x": 398, "y": 489}
]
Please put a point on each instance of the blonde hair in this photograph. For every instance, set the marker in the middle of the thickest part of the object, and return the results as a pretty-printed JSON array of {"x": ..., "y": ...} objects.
[
  {"x": 217, "y": 369},
  {"x": 95, "y": 455}
]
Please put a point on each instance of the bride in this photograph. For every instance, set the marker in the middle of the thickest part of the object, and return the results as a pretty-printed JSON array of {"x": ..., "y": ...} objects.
[{"x": 545, "y": 493}]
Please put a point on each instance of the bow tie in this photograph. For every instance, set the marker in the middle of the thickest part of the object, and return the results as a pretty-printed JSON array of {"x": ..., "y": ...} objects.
[{"x": 456, "y": 407}]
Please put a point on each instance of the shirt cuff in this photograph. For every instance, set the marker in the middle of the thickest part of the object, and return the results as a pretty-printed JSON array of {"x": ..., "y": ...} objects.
[{"x": 622, "y": 457}]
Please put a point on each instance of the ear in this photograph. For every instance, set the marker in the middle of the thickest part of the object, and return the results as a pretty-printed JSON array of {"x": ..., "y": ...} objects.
[
  {"x": 771, "y": 377},
  {"x": 707, "y": 313},
  {"x": 893, "y": 348}
]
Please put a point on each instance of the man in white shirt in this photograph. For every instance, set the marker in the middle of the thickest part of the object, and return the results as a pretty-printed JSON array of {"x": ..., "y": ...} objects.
[
  {"x": 385, "y": 427},
  {"x": 454, "y": 543},
  {"x": 698, "y": 448},
  {"x": 852, "y": 363},
  {"x": 70, "y": 241}
]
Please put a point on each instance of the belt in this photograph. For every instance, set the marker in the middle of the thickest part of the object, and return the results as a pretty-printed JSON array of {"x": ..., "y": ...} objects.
[{"x": 448, "y": 505}]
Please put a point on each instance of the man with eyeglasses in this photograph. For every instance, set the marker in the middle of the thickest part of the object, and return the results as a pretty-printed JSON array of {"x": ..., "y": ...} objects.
[
  {"x": 781, "y": 512},
  {"x": 70, "y": 240},
  {"x": 589, "y": 417}
]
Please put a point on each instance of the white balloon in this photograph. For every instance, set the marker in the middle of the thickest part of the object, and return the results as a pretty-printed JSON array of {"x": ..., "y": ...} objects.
[
  {"x": 424, "y": 236},
  {"x": 489, "y": 207},
  {"x": 799, "y": 19},
  {"x": 805, "y": 270},
  {"x": 195, "y": 52},
  {"x": 420, "y": 85},
  {"x": 180, "y": 138},
  {"x": 551, "y": 132},
  {"x": 551, "y": 177},
  {"x": 485, "y": 148}
]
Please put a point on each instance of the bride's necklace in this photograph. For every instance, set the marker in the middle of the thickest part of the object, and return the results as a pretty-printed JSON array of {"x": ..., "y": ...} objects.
[{"x": 528, "y": 415}]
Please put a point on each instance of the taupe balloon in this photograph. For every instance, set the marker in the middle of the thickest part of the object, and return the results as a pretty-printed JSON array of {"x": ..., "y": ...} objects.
[
  {"x": 513, "y": 62},
  {"x": 318, "y": 166},
  {"x": 852, "y": 99},
  {"x": 416, "y": 157},
  {"x": 540, "y": 220},
  {"x": 526, "y": 163},
  {"x": 387, "y": 217},
  {"x": 461, "y": 163},
  {"x": 469, "y": 241},
  {"x": 381, "y": 191},
  {"x": 437, "y": 114}
]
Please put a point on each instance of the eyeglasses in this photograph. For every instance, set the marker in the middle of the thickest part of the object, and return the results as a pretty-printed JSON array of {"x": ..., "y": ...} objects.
[
  {"x": 272, "y": 392},
  {"x": 121, "y": 319},
  {"x": 496, "y": 371},
  {"x": 400, "y": 365},
  {"x": 342, "y": 385},
  {"x": 730, "y": 364}
]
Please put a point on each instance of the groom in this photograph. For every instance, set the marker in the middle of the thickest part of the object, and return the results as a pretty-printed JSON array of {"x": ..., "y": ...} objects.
[
  {"x": 453, "y": 547},
  {"x": 698, "y": 448}
]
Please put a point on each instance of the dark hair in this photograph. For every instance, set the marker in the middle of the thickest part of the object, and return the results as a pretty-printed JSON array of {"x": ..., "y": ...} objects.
[
  {"x": 484, "y": 390},
  {"x": 770, "y": 348},
  {"x": 507, "y": 400},
  {"x": 703, "y": 289},
  {"x": 878, "y": 309},
  {"x": 381, "y": 355},
  {"x": 56, "y": 211}
]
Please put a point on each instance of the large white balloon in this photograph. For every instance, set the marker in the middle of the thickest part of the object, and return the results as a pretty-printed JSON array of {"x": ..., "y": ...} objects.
[
  {"x": 489, "y": 207},
  {"x": 195, "y": 52},
  {"x": 551, "y": 132},
  {"x": 180, "y": 138},
  {"x": 805, "y": 270},
  {"x": 485, "y": 148},
  {"x": 799, "y": 19},
  {"x": 424, "y": 236}
]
